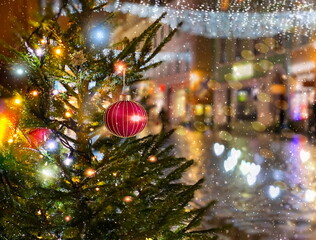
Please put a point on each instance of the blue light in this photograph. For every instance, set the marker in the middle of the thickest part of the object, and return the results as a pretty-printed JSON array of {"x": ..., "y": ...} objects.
[{"x": 100, "y": 35}]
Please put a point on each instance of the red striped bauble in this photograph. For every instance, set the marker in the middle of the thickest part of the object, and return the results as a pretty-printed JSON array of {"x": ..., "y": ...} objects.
[{"x": 125, "y": 118}]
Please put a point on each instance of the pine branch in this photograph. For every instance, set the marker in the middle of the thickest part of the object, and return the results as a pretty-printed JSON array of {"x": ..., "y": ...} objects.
[
  {"x": 163, "y": 43},
  {"x": 136, "y": 41},
  {"x": 197, "y": 219}
]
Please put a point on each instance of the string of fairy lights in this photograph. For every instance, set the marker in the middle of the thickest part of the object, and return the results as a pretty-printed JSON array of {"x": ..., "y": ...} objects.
[
  {"x": 244, "y": 19},
  {"x": 46, "y": 143}
]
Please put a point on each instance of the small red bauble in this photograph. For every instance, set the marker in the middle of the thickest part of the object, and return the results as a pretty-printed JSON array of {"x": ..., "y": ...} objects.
[
  {"x": 38, "y": 136},
  {"x": 125, "y": 118}
]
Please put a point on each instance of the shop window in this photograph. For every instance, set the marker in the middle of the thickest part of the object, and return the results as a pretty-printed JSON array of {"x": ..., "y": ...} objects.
[
  {"x": 300, "y": 102},
  {"x": 246, "y": 105}
]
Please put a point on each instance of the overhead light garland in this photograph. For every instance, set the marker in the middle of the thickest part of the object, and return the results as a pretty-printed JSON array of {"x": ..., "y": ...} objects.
[{"x": 231, "y": 24}]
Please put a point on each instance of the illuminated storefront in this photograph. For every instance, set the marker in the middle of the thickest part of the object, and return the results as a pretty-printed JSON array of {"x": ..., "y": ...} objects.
[
  {"x": 302, "y": 82},
  {"x": 249, "y": 91}
]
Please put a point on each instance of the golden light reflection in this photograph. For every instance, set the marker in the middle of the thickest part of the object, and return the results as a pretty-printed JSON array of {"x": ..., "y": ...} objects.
[
  {"x": 4, "y": 126},
  {"x": 195, "y": 151}
]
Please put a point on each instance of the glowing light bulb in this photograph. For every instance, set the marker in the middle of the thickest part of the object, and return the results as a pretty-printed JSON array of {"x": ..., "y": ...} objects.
[
  {"x": 100, "y": 35},
  {"x": 17, "y": 101},
  {"x": 19, "y": 70},
  {"x": 58, "y": 51},
  {"x": 97, "y": 189},
  {"x": 120, "y": 67},
  {"x": 127, "y": 199},
  {"x": 10, "y": 140},
  {"x": 43, "y": 41},
  {"x": 68, "y": 161},
  {"x": 67, "y": 218},
  {"x": 48, "y": 172},
  {"x": 39, "y": 52},
  {"x": 35, "y": 93},
  {"x": 51, "y": 145},
  {"x": 152, "y": 159},
  {"x": 90, "y": 172},
  {"x": 68, "y": 114}
]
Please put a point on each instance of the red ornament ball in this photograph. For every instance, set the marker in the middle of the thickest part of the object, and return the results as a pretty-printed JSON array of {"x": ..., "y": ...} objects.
[
  {"x": 38, "y": 136},
  {"x": 125, "y": 118}
]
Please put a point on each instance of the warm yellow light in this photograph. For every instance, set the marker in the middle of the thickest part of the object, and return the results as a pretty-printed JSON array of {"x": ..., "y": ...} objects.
[
  {"x": 67, "y": 218},
  {"x": 10, "y": 140},
  {"x": 152, "y": 159},
  {"x": 58, "y": 51},
  {"x": 120, "y": 67},
  {"x": 195, "y": 78},
  {"x": 90, "y": 172},
  {"x": 43, "y": 41},
  {"x": 199, "y": 109},
  {"x": 127, "y": 199},
  {"x": 4, "y": 126},
  {"x": 17, "y": 101},
  {"x": 97, "y": 189},
  {"x": 35, "y": 93},
  {"x": 68, "y": 114}
]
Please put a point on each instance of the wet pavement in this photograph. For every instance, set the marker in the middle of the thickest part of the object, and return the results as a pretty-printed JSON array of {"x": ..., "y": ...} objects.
[{"x": 265, "y": 184}]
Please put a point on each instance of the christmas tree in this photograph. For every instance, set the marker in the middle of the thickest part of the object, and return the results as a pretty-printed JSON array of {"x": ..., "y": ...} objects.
[{"x": 61, "y": 176}]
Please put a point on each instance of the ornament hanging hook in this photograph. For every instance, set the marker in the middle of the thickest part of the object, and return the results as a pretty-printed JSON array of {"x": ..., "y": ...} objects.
[{"x": 124, "y": 90}]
